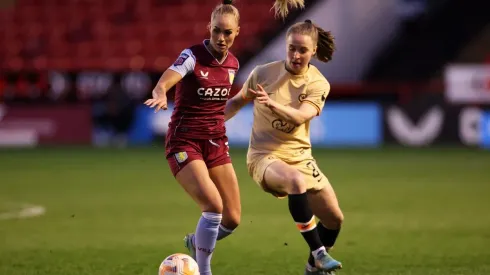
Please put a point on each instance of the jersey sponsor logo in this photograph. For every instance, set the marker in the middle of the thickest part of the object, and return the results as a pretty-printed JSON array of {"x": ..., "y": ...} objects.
[
  {"x": 181, "y": 157},
  {"x": 204, "y": 75},
  {"x": 181, "y": 59},
  {"x": 282, "y": 126},
  {"x": 213, "y": 93},
  {"x": 231, "y": 75}
]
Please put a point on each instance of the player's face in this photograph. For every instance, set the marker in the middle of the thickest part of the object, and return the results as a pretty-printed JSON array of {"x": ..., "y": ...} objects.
[
  {"x": 300, "y": 49},
  {"x": 224, "y": 28}
]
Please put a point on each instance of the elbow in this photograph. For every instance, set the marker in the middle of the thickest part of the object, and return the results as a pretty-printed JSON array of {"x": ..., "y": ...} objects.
[
  {"x": 228, "y": 115},
  {"x": 230, "y": 111},
  {"x": 298, "y": 122}
]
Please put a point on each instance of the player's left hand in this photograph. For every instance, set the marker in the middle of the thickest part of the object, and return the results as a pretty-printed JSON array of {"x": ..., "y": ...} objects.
[
  {"x": 159, "y": 101},
  {"x": 261, "y": 95}
]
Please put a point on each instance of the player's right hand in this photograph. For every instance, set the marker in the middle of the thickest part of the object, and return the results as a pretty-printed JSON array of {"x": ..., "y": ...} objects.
[
  {"x": 261, "y": 95},
  {"x": 159, "y": 101}
]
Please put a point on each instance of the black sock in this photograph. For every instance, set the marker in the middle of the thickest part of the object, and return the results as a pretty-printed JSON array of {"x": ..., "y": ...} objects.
[
  {"x": 328, "y": 238},
  {"x": 305, "y": 221}
]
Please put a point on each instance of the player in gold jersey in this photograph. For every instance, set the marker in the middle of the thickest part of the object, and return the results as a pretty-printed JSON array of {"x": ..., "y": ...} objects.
[{"x": 287, "y": 95}]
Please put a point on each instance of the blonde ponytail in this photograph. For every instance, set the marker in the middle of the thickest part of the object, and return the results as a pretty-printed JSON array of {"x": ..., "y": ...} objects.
[{"x": 281, "y": 7}]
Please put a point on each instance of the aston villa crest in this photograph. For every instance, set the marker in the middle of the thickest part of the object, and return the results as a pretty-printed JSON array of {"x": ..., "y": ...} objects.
[
  {"x": 181, "y": 157},
  {"x": 231, "y": 75}
]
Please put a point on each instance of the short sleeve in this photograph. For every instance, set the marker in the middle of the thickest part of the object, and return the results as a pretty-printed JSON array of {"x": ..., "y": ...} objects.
[
  {"x": 250, "y": 83},
  {"x": 185, "y": 63},
  {"x": 317, "y": 95}
]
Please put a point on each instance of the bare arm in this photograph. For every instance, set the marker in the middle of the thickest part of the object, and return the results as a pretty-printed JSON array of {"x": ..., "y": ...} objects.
[
  {"x": 297, "y": 117},
  {"x": 304, "y": 113},
  {"x": 242, "y": 97},
  {"x": 168, "y": 79},
  {"x": 235, "y": 104}
]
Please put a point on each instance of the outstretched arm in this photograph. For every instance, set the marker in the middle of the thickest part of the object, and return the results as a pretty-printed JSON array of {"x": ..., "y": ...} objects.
[
  {"x": 168, "y": 79},
  {"x": 235, "y": 104},
  {"x": 184, "y": 64},
  {"x": 159, "y": 101}
]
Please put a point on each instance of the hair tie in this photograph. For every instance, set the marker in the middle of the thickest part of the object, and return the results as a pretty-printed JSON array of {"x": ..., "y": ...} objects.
[{"x": 308, "y": 21}]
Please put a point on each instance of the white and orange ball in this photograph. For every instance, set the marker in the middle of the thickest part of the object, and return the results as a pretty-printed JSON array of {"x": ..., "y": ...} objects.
[{"x": 178, "y": 264}]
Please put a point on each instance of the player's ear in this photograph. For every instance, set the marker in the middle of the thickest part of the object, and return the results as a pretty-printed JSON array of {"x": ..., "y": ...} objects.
[
  {"x": 314, "y": 50},
  {"x": 208, "y": 26},
  {"x": 237, "y": 31}
]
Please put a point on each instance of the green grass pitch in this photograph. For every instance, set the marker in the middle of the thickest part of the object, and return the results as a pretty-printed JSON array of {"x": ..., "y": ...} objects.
[{"x": 110, "y": 212}]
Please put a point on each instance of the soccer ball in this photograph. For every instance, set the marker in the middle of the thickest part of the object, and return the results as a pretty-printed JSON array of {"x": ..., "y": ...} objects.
[{"x": 178, "y": 264}]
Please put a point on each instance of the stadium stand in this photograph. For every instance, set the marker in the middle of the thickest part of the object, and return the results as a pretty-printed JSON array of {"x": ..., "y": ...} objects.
[
  {"x": 427, "y": 43},
  {"x": 115, "y": 35}
]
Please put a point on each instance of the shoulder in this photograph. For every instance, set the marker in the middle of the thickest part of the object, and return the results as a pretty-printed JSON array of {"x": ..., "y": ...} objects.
[
  {"x": 184, "y": 62},
  {"x": 276, "y": 65},
  {"x": 232, "y": 61},
  {"x": 317, "y": 79},
  {"x": 186, "y": 53},
  {"x": 272, "y": 66},
  {"x": 197, "y": 49}
]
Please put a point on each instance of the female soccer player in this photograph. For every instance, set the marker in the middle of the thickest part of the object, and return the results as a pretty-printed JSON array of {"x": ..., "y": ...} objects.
[
  {"x": 288, "y": 94},
  {"x": 196, "y": 144}
]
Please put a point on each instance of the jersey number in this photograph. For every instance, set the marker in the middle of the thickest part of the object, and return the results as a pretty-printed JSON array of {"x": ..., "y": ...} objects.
[{"x": 315, "y": 171}]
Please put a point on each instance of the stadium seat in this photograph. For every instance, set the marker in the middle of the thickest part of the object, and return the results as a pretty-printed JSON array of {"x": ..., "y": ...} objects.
[{"x": 82, "y": 34}]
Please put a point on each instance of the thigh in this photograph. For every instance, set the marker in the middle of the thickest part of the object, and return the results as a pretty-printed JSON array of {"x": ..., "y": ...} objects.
[
  {"x": 181, "y": 152},
  {"x": 325, "y": 206},
  {"x": 195, "y": 180},
  {"x": 321, "y": 195},
  {"x": 226, "y": 182},
  {"x": 216, "y": 152},
  {"x": 179, "y": 160},
  {"x": 257, "y": 164},
  {"x": 314, "y": 177},
  {"x": 279, "y": 177}
]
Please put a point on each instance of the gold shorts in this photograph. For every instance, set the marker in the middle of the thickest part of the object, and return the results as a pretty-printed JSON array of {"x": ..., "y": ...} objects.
[{"x": 315, "y": 179}]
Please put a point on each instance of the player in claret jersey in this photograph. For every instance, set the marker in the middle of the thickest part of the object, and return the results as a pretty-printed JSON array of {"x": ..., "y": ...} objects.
[{"x": 196, "y": 144}]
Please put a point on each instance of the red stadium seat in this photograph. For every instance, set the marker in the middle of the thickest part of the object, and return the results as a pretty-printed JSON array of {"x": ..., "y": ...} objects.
[{"x": 118, "y": 34}]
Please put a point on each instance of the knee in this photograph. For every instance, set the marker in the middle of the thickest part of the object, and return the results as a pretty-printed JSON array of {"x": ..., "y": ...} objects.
[
  {"x": 297, "y": 184},
  {"x": 334, "y": 220},
  {"x": 338, "y": 219},
  {"x": 213, "y": 205},
  {"x": 231, "y": 220}
]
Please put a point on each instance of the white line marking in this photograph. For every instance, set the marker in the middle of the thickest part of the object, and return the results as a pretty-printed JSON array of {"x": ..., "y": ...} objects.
[{"x": 23, "y": 212}]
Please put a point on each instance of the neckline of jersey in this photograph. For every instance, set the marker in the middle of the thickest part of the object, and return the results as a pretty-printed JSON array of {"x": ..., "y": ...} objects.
[
  {"x": 205, "y": 42},
  {"x": 303, "y": 75}
]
